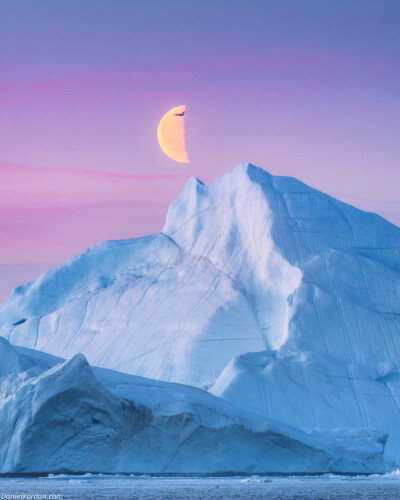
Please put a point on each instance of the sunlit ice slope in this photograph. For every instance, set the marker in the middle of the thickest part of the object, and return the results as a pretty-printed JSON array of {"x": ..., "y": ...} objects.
[{"x": 248, "y": 263}]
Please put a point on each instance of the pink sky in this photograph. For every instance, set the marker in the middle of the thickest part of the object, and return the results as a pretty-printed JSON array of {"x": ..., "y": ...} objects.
[
  {"x": 307, "y": 89},
  {"x": 47, "y": 213}
]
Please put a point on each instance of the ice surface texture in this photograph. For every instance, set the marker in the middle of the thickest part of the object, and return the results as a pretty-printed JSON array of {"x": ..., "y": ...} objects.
[
  {"x": 70, "y": 418},
  {"x": 270, "y": 294}
]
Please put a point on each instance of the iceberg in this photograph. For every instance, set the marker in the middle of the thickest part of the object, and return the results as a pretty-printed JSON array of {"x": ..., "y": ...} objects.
[
  {"x": 260, "y": 293},
  {"x": 71, "y": 418}
]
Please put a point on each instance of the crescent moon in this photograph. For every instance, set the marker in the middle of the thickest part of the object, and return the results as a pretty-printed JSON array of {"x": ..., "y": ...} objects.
[{"x": 171, "y": 134}]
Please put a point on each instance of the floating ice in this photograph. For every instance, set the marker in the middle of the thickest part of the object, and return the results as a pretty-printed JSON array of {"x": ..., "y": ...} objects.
[{"x": 272, "y": 295}]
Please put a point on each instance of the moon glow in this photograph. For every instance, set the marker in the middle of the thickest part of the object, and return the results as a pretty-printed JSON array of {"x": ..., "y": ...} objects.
[{"x": 171, "y": 134}]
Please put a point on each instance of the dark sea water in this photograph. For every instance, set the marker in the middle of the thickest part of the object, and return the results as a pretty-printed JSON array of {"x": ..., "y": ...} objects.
[{"x": 250, "y": 488}]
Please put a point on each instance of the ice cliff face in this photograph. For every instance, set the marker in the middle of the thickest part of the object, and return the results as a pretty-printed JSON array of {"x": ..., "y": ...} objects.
[
  {"x": 271, "y": 294},
  {"x": 320, "y": 274}
]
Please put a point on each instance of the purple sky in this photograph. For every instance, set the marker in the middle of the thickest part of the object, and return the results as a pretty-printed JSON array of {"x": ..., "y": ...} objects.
[{"x": 302, "y": 88}]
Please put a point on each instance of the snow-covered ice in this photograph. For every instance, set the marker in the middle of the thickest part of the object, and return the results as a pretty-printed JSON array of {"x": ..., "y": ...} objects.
[{"x": 280, "y": 300}]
